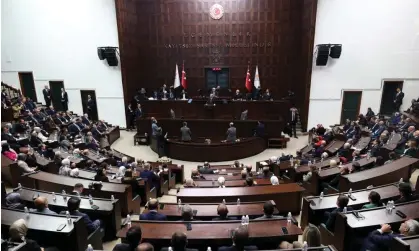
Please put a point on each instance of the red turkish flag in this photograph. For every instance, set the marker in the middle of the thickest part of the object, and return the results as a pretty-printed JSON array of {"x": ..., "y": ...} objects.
[
  {"x": 248, "y": 83},
  {"x": 183, "y": 77}
]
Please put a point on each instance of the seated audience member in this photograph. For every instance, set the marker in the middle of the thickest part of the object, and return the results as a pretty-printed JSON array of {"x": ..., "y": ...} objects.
[
  {"x": 195, "y": 175},
  {"x": 392, "y": 157},
  {"x": 23, "y": 166},
  {"x": 41, "y": 206},
  {"x": 123, "y": 162},
  {"x": 145, "y": 246},
  {"x": 265, "y": 173},
  {"x": 406, "y": 193},
  {"x": 355, "y": 167},
  {"x": 237, "y": 164},
  {"x": 148, "y": 174},
  {"x": 381, "y": 239},
  {"x": 78, "y": 189},
  {"x": 132, "y": 239},
  {"x": 65, "y": 167},
  {"x": 8, "y": 152},
  {"x": 153, "y": 214},
  {"x": 187, "y": 213},
  {"x": 311, "y": 235},
  {"x": 179, "y": 242},
  {"x": 379, "y": 130},
  {"x": 74, "y": 172},
  {"x": 222, "y": 212},
  {"x": 341, "y": 203},
  {"x": 243, "y": 173},
  {"x": 274, "y": 180},
  {"x": 319, "y": 150},
  {"x": 307, "y": 177},
  {"x": 40, "y": 135},
  {"x": 362, "y": 120},
  {"x": 57, "y": 158},
  {"x": 345, "y": 151},
  {"x": 221, "y": 182},
  {"x": 375, "y": 200},
  {"x": 17, "y": 233},
  {"x": 205, "y": 169},
  {"x": 370, "y": 113},
  {"x": 356, "y": 155},
  {"x": 411, "y": 149},
  {"x": 268, "y": 210},
  {"x": 240, "y": 238},
  {"x": 335, "y": 181},
  {"x": 73, "y": 205},
  {"x": 379, "y": 161},
  {"x": 249, "y": 170},
  {"x": 14, "y": 201},
  {"x": 101, "y": 175},
  {"x": 189, "y": 183},
  {"x": 121, "y": 172},
  {"x": 249, "y": 182}
]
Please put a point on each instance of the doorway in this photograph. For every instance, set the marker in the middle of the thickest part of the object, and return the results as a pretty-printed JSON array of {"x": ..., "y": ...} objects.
[
  {"x": 217, "y": 76},
  {"x": 27, "y": 85},
  {"x": 55, "y": 87},
  {"x": 350, "y": 105},
  {"x": 388, "y": 95},
  {"x": 84, "y": 97}
]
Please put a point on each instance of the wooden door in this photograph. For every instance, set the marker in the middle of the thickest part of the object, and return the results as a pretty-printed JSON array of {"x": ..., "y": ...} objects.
[
  {"x": 27, "y": 85},
  {"x": 55, "y": 87},
  {"x": 350, "y": 105}
]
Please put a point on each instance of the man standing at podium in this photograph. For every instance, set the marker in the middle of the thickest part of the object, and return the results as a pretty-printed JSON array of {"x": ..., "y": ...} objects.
[{"x": 231, "y": 133}]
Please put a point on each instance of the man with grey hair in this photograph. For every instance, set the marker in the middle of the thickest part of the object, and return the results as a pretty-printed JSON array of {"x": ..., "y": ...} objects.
[
  {"x": 187, "y": 213},
  {"x": 231, "y": 133},
  {"x": 380, "y": 239}
]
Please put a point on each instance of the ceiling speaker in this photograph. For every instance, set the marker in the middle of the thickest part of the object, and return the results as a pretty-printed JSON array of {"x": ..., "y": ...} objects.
[
  {"x": 110, "y": 55},
  {"x": 335, "y": 51},
  {"x": 322, "y": 55},
  {"x": 100, "y": 53}
]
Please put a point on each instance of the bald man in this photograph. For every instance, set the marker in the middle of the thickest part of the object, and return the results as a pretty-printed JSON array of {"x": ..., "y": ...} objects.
[
  {"x": 145, "y": 247},
  {"x": 153, "y": 214},
  {"x": 222, "y": 211},
  {"x": 41, "y": 206},
  {"x": 240, "y": 238}
]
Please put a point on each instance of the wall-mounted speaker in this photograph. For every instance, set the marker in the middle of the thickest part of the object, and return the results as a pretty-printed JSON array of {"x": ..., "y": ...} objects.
[
  {"x": 335, "y": 51},
  {"x": 110, "y": 55},
  {"x": 322, "y": 55},
  {"x": 100, "y": 53}
]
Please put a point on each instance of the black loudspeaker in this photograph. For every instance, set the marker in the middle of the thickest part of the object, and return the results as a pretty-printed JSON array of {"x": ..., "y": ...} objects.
[
  {"x": 322, "y": 55},
  {"x": 335, "y": 51},
  {"x": 110, "y": 55},
  {"x": 100, "y": 53}
]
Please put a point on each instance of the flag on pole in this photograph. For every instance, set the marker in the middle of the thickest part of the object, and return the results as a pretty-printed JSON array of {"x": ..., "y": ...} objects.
[
  {"x": 248, "y": 83},
  {"x": 177, "y": 80},
  {"x": 256, "y": 82},
  {"x": 183, "y": 76}
]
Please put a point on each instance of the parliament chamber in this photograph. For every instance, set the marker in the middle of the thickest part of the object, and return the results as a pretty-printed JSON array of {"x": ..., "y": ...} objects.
[{"x": 209, "y": 125}]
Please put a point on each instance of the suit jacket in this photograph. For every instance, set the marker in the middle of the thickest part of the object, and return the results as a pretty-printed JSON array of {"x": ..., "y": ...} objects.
[
  {"x": 330, "y": 224},
  {"x": 85, "y": 121},
  {"x": 19, "y": 128},
  {"x": 260, "y": 130},
  {"x": 267, "y": 96},
  {"x": 64, "y": 98},
  {"x": 185, "y": 249},
  {"x": 91, "y": 106},
  {"x": 231, "y": 134},
  {"x": 45, "y": 211},
  {"x": 237, "y": 96},
  {"x": 47, "y": 94},
  {"x": 90, "y": 225},
  {"x": 8, "y": 137},
  {"x": 74, "y": 129},
  {"x": 151, "y": 176},
  {"x": 204, "y": 170},
  {"x": 138, "y": 113},
  {"x": 377, "y": 241},
  {"x": 186, "y": 133},
  {"x": 295, "y": 116},
  {"x": 153, "y": 215},
  {"x": 399, "y": 98}
]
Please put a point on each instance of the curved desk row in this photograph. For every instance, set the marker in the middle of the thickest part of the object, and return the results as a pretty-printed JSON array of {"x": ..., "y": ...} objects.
[{"x": 215, "y": 151}]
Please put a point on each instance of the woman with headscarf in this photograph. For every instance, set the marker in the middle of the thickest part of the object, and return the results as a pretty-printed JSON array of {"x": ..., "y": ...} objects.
[
  {"x": 74, "y": 172},
  {"x": 13, "y": 201},
  {"x": 65, "y": 168},
  {"x": 274, "y": 180},
  {"x": 8, "y": 152},
  {"x": 17, "y": 233},
  {"x": 121, "y": 172}
]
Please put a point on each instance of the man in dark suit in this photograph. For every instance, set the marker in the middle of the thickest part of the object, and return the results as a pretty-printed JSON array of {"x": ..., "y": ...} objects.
[
  {"x": 21, "y": 127},
  {"x": 240, "y": 238},
  {"x": 153, "y": 206},
  {"x": 133, "y": 238},
  {"x": 222, "y": 211},
  {"x": 73, "y": 205},
  {"x": 74, "y": 129},
  {"x": 341, "y": 203},
  {"x": 64, "y": 99},
  {"x": 179, "y": 242},
  {"x": 382, "y": 238},
  {"x": 398, "y": 100},
  {"x": 85, "y": 120},
  {"x": 231, "y": 133},
  {"x": 148, "y": 174},
  {"x": 47, "y": 96},
  {"x": 138, "y": 112},
  {"x": 406, "y": 193},
  {"x": 237, "y": 95},
  {"x": 260, "y": 130},
  {"x": 78, "y": 189},
  {"x": 91, "y": 107},
  {"x": 185, "y": 132},
  {"x": 268, "y": 210},
  {"x": 294, "y": 120},
  {"x": 267, "y": 95},
  {"x": 205, "y": 169}
]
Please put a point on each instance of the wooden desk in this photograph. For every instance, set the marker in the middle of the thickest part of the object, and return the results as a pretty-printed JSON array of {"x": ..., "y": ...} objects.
[
  {"x": 334, "y": 146},
  {"x": 216, "y": 151},
  {"x": 178, "y": 170},
  {"x": 347, "y": 225},
  {"x": 362, "y": 143},
  {"x": 382, "y": 175},
  {"x": 408, "y": 243},
  {"x": 231, "y": 183},
  {"x": 209, "y": 211},
  {"x": 56, "y": 183},
  {"x": 227, "y": 177},
  {"x": 313, "y": 213},
  {"x": 109, "y": 211},
  {"x": 43, "y": 229},
  {"x": 215, "y": 233},
  {"x": 291, "y": 193},
  {"x": 113, "y": 134},
  {"x": 297, "y": 174}
]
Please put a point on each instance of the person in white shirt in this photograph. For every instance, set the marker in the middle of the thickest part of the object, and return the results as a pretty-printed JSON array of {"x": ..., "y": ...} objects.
[
  {"x": 274, "y": 180},
  {"x": 221, "y": 182},
  {"x": 40, "y": 135},
  {"x": 65, "y": 168},
  {"x": 23, "y": 166}
]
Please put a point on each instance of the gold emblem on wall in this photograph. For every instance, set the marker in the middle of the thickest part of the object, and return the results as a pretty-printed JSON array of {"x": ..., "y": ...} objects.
[{"x": 216, "y": 11}]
